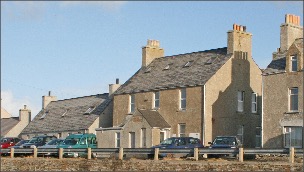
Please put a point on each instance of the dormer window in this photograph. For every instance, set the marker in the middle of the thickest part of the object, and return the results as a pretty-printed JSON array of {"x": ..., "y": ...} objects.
[
  {"x": 89, "y": 110},
  {"x": 188, "y": 64},
  {"x": 294, "y": 63}
]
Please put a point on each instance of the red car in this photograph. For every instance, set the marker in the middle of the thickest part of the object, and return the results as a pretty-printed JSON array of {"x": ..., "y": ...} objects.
[{"x": 7, "y": 142}]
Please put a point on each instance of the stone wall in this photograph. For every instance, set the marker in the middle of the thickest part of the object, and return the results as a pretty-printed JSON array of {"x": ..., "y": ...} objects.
[{"x": 50, "y": 164}]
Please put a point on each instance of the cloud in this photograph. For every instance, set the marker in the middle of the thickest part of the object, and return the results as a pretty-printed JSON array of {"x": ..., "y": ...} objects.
[
  {"x": 106, "y": 5},
  {"x": 23, "y": 10},
  {"x": 12, "y": 105}
]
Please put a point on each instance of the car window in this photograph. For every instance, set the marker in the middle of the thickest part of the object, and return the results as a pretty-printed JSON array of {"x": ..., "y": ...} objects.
[
  {"x": 182, "y": 141},
  {"x": 4, "y": 140},
  {"x": 83, "y": 141}
]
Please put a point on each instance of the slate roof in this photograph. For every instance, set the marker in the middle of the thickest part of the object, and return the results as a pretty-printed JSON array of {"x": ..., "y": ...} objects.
[
  {"x": 278, "y": 64},
  {"x": 156, "y": 77},
  {"x": 7, "y": 124},
  {"x": 74, "y": 118},
  {"x": 154, "y": 118},
  {"x": 5, "y": 114}
]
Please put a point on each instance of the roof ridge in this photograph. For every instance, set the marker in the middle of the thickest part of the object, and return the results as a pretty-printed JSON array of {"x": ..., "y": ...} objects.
[
  {"x": 104, "y": 94},
  {"x": 215, "y": 50}
]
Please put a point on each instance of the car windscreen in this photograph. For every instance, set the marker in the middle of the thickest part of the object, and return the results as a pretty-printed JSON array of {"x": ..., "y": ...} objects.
[
  {"x": 36, "y": 140},
  {"x": 21, "y": 142},
  {"x": 72, "y": 141},
  {"x": 4, "y": 140},
  {"x": 53, "y": 142},
  {"x": 168, "y": 141},
  {"x": 224, "y": 141}
]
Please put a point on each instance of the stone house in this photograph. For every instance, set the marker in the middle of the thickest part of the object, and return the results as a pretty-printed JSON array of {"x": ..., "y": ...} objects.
[
  {"x": 76, "y": 115},
  {"x": 201, "y": 94},
  {"x": 283, "y": 90},
  {"x": 12, "y": 126}
]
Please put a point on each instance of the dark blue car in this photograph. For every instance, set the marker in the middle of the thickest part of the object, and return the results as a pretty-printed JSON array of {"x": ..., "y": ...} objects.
[
  {"x": 179, "y": 143},
  {"x": 224, "y": 142}
]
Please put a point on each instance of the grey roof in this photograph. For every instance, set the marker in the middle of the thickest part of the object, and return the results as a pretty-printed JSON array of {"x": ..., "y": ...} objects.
[
  {"x": 7, "y": 124},
  {"x": 154, "y": 118},
  {"x": 74, "y": 119},
  {"x": 278, "y": 64},
  {"x": 156, "y": 77}
]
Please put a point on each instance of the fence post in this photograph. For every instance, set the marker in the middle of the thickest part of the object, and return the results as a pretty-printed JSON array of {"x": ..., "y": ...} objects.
[
  {"x": 35, "y": 152},
  {"x": 12, "y": 152},
  {"x": 89, "y": 153},
  {"x": 196, "y": 154},
  {"x": 120, "y": 156},
  {"x": 291, "y": 154},
  {"x": 60, "y": 153},
  {"x": 156, "y": 151},
  {"x": 241, "y": 154}
]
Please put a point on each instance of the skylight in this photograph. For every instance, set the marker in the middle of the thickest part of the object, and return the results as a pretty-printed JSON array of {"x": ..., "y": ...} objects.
[
  {"x": 211, "y": 60},
  {"x": 89, "y": 110},
  {"x": 148, "y": 70},
  {"x": 66, "y": 111},
  {"x": 167, "y": 67},
  {"x": 43, "y": 116},
  {"x": 188, "y": 64}
]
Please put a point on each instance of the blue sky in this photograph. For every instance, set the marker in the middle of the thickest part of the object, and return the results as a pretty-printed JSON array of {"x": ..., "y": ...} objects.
[{"x": 75, "y": 48}]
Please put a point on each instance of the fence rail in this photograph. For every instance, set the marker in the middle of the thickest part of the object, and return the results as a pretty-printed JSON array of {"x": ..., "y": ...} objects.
[{"x": 152, "y": 151}]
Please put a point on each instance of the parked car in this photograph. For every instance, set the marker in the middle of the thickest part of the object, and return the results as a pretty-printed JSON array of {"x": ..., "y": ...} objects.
[
  {"x": 179, "y": 143},
  {"x": 19, "y": 144},
  {"x": 224, "y": 142},
  {"x": 7, "y": 142},
  {"x": 51, "y": 144},
  {"x": 38, "y": 141},
  {"x": 78, "y": 141}
]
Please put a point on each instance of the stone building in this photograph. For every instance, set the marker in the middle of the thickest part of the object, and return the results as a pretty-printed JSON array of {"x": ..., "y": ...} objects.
[
  {"x": 12, "y": 126},
  {"x": 283, "y": 89},
  {"x": 76, "y": 115},
  {"x": 201, "y": 94}
]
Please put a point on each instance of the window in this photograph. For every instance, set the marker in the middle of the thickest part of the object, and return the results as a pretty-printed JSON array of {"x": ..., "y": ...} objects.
[
  {"x": 66, "y": 111},
  {"x": 188, "y": 64},
  {"x": 182, "y": 130},
  {"x": 167, "y": 67},
  {"x": 143, "y": 138},
  {"x": 132, "y": 103},
  {"x": 45, "y": 113},
  {"x": 293, "y": 137},
  {"x": 117, "y": 139},
  {"x": 294, "y": 63},
  {"x": 254, "y": 103},
  {"x": 240, "y": 101},
  {"x": 211, "y": 60},
  {"x": 240, "y": 133},
  {"x": 258, "y": 134},
  {"x": 183, "y": 102},
  {"x": 156, "y": 100},
  {"x": 293, "y": 99},
  {"x": 83, "y": 141},
  {"x": 89, "y": 110}
]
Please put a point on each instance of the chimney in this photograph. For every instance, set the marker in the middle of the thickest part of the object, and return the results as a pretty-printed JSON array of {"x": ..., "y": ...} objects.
[
  {"x": 290, "y": 31},
  {"x": 150, "y": 52},
  {"x": 114, "y": 87},
  {"x": 25, "y": 115},
  {"x": 47, "y": 99},
  {"x": 239, "y": 42}
]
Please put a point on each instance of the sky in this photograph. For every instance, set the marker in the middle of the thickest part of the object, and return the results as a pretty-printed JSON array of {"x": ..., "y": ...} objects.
[{"x": 78, "y": 48}]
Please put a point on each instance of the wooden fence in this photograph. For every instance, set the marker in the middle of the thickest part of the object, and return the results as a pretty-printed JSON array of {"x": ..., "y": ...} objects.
[{"x": 240, "y": 152}]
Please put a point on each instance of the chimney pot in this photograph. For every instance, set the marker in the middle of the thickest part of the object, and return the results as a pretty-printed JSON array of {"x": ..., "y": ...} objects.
[
  {"x": 234, "y": 26},
  {"x": 24, "y": 106},
  {"x": 287, "y": 18},
  {"x": 241, "y": 28},
  {"x": 117, "y": 80},
  {"x": 49, "y": 93},
  {"x": 244, "y": 28},
  {"x": 290, "y": 18}
]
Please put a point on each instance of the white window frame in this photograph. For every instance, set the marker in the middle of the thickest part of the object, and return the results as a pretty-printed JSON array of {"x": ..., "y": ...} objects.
[
  {"x": 254, "y": 103},
  {"x": 180, "y": 133},
  {"x": 240, "y": 98},
  {"x": 293, "y": 61},
  {"x": 117, "y": 139},
  {"x": 258, "y": 137},
  {"x": 156, "y": 96},
  {"x": 132, "y": 103},
  {"x": 240, "y": 133},
  {"x": 292, "y": 98},
  {"x": 182, "y": 99},
  {"x": 290, "y": 133}
]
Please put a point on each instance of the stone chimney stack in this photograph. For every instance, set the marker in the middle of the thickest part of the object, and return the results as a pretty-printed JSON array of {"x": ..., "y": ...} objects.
[
  {"x": 290, "y": 31},
  {"x": 25, "y": 115},
  {"x": 47, "y": 99},
  {"x": 150, "y": 52},
  {"x": 114, "y": 87},
  {"x": 239, "y": 42}
]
